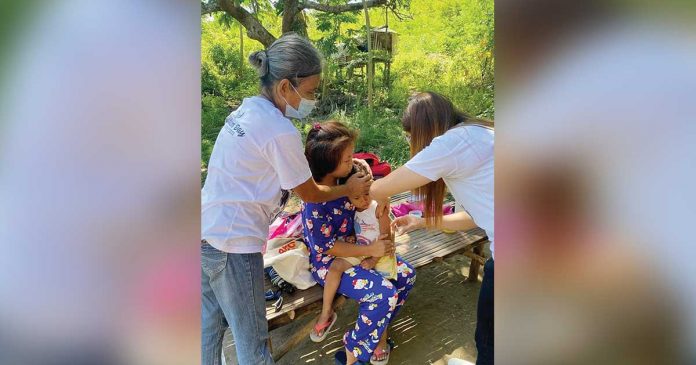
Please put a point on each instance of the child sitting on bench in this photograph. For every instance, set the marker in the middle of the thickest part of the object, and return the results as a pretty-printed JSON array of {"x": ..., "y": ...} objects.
[{"x": 367, "y": 229}]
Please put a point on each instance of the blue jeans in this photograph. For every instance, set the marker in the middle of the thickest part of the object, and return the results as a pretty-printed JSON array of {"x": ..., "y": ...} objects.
[
  {"x": 484, "y": 317},
  {"x": 232, "y": 293}
]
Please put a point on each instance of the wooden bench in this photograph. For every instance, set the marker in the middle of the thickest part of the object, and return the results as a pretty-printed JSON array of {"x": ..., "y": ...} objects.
[{"x": 419, "y": 248}]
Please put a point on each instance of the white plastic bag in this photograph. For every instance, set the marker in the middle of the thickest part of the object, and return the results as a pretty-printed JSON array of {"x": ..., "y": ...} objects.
[{"x": 290, "y": 259}]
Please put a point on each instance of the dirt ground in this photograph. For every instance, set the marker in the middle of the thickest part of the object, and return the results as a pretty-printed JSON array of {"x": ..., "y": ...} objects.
[{"x": 437, "y": 321}]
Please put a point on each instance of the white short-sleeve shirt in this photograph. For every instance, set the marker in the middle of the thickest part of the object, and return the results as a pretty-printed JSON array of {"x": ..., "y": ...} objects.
[
  {"x": 463, "y": 158},
  {"x": 257, "y": 157}
]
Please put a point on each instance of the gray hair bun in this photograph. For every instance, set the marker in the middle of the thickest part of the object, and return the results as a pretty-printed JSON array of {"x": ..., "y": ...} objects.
[
  {"x": 259, "y": 60},
  {"x": 290, "y": 57}
]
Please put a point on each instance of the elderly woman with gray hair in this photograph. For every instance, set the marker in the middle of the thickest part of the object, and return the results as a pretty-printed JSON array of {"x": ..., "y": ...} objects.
[{"x": 257, "y": 159}]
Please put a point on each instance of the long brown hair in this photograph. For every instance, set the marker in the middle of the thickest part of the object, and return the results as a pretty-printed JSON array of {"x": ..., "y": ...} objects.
[{"x": 429, "y": 115}]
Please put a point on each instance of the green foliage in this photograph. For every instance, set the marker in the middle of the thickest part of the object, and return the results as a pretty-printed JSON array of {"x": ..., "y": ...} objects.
[
  {"x": 380, "y": 132},
  {"x": 329, "y": 25},
  {"x": 445, "y": 46},
  {"x": 448, "y": 47},
  {"x": 224, "y": 72}
]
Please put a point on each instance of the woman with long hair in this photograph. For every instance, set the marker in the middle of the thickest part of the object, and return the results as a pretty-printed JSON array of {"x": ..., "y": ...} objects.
[{"x": 453, "y": 151}]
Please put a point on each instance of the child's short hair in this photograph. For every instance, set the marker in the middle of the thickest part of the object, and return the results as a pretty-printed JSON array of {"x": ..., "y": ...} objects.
[
  {"x": 325, "y": 143},
  {"x": 357, "y": 168}
]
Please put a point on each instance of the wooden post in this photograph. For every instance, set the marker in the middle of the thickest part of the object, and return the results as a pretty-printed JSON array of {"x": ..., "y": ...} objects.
[
  {"x": 241, "y": 49},
  {"x": 370, "y": 69},
  {"x": 324, "y": 79},
  {"x": 387, "y": 70},
  {"x": 303, "y": 333},
  {"x": 387, "y": 65},
  {"x": 475, "y": 264}
]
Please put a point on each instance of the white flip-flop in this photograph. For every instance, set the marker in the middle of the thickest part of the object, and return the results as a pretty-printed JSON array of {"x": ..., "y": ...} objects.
[{"x": 324, "y": 326}]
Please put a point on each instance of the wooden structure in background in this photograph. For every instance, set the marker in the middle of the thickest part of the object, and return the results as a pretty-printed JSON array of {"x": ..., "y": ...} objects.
[{"x": 383, "y": 44}]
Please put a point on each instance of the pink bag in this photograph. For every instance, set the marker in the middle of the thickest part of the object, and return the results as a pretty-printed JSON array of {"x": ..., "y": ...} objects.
[
  {"x": 404, "y": 208},
  {"x": 289, "y": 226}
]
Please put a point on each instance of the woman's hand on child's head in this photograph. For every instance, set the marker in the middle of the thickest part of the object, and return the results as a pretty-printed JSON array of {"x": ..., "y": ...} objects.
[
  {"x": 407, "y": 224},
  {"x": 359, "y": 184},
  {"x": 365, "y": 165},
  {"x": 369, "y": 263}
]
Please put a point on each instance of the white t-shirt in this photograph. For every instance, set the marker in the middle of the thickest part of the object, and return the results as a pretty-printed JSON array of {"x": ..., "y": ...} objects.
[
  {"x": 256, "y": 156},
  {"x": 463, "y": 158},
  {"x": 367, "y": 225}
]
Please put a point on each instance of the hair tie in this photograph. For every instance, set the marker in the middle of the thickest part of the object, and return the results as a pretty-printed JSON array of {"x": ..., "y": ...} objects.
[
  {"x": 268, "y": 62},
  {"x": 317, "y": 127}
]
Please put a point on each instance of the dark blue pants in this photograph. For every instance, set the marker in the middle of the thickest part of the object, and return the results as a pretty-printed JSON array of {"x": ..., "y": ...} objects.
[{"x": 484, "y": 317}]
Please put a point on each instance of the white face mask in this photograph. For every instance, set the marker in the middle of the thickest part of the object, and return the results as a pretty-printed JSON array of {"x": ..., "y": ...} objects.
[{"x": 306, "y": 106}]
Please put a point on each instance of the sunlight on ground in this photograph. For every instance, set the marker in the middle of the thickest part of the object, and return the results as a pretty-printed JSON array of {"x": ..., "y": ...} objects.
[{"x": 456, "y": 358}]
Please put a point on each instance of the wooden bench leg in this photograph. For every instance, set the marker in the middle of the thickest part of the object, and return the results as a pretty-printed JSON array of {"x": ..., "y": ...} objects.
[
  {"x": 475, "y": 265},
  {"x": 303, "y": 333},
  {"x": 291, "y": 342}
]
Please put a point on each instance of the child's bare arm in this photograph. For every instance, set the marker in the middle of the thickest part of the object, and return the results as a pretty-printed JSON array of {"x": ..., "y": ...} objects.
[{"x": 385, "y": 226}]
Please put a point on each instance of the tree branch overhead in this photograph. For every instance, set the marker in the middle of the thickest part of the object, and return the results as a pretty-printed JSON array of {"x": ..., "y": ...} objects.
[
  {"x": 336, "y": 9},
  {"x": 292, "y": 10},
  {"x": 209, "y": 6}
]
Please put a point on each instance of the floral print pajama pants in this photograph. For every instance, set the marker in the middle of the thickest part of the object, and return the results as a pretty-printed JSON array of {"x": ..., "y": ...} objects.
[{"x": 380, "y": 300}]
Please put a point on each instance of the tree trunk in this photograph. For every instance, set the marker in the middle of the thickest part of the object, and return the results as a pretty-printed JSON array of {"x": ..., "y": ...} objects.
[
  {"x": 293, "y": 18},
  {"x": 254, "y": 28},
  {"x": 300, "y": 24},
  {"x": 370, "y": 69},
  {"x": 290, "y": 11}
]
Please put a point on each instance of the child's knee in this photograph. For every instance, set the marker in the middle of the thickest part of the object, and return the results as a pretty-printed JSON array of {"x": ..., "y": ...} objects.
[{"x": 339, "y": 266}]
